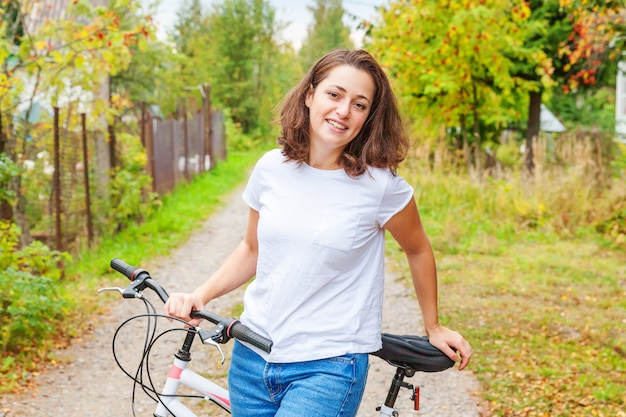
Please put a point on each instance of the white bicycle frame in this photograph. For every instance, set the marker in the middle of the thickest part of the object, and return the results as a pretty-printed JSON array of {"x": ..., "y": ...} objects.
[{"x": 180, "y": 375}]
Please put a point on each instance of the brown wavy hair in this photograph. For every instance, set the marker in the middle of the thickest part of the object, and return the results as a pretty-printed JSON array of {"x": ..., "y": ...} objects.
[{"x": 382, "y": 141}]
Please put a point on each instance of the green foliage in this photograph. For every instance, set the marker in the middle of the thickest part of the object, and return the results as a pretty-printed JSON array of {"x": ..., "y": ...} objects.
[
  {"x": 31, "y": 302},
  {"x": 590, "y": 109},
  {"x": 128, "y": 204},
  {"x": 233, "y": 48},
  {"x": 245, "y": 30},
  {"x": 453, "y": 63},
  {"x": 618, "y": 164},
  {"x": 556, "y": 26},
  {"x": 11, "y": 31},
  {"x": 327, "y": 32},
  {"x": 612, "y": 221},
  {"x": 61, "y": 62},
  {"x": 152, "y": 76},
  {"x": 237, "y": 140},
  {"x": 76, "y": 52},
  {"x": 9, "y": 239},
  {"x": 131, "y": 198},
  {"x": 8, "y": 170}
]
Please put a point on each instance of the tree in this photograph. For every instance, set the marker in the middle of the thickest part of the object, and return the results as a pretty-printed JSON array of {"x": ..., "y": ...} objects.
[
  {"x": 454, "y": 62},
  {"x": 243, "y": 40},
  {"x": 327, "y": 32},
  {"x": 597, "y": 37},
  {"x": 579, "y": 38},
  {"x": 62, "y": 61},
  {"x": 233, "y": 48},
  {"x": 193, "y": 64},
  {"x": 556, "y": 27},
  {"x": 152, "y": 75}
]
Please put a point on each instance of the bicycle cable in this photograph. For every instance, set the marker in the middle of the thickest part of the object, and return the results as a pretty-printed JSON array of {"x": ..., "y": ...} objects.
[{"x": 151, "y": 337}]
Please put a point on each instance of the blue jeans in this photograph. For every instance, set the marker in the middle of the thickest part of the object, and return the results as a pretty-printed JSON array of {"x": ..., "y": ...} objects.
[{"x": 330, "y": 387}]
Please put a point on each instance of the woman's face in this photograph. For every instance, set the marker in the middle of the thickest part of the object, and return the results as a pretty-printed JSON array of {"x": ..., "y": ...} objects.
[{"x": 338, "y": 108}]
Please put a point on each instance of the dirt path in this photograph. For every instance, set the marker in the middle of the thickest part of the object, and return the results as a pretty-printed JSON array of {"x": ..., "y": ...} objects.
[{"x": 90, "y": 384}]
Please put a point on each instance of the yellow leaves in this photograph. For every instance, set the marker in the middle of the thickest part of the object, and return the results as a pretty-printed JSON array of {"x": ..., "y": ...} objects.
[
  {"x": 120, "y": 102},
  {"x": 525, "y": 11},
  {"x": 108, "y": 56},
  {"x": 41, "y": 45},
  {"x": 5, "y": 84},
  {"x": 142, "y": 44},
  {"x": 79, "y": 62},
  {"x": 4, "y": 53},
  {"x": 519, "y": 13},
  {"x": 56, "y": 56}
]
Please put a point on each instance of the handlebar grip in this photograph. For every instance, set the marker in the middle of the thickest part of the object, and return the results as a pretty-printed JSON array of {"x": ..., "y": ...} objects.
[
  {"x": 243, "y": 333},
  {"x": 122, "y": 267},
  {"x": 233, "y": 327}
]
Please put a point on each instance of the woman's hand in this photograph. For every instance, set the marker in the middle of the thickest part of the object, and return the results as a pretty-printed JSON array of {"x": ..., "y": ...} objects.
[
  {"x": 452, "y": 344},
  {"x": 180, "y": 305}
]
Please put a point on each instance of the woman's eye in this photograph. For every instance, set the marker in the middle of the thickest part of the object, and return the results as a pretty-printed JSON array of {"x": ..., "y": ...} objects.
[
  {"x": 332, "y": 94},
  {"x": 360, "y": 106}
]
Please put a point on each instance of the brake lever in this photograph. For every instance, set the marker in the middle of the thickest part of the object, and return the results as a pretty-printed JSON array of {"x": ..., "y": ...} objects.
[
  {"x": 126, "y": 292},
  {"x": 207, "y": 338}
]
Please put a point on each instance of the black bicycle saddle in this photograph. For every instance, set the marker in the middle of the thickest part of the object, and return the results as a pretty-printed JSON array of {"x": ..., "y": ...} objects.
[{"x": 414, "y": 352}]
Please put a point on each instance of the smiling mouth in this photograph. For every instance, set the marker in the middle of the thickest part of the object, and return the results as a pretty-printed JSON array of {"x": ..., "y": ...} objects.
[{"x": 336, "y": 125}]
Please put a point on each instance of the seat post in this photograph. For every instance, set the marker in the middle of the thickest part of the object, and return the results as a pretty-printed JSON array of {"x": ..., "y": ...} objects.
[{"x": 396, "y": 384}]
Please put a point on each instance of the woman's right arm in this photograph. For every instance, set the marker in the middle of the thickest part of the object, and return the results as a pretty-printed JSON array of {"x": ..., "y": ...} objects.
[{"x": 238, "y": 269}]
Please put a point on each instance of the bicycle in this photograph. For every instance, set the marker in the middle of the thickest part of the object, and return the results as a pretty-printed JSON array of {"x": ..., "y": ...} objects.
[{"x": 408, "y": 354}]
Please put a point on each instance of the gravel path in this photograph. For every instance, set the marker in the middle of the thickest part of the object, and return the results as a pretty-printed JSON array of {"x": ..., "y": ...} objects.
[{"x": 88, "y": 383}]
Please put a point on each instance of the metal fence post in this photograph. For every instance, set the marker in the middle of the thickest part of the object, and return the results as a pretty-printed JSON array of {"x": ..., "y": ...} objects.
[
  {"x": 56, "y": 182},
  {"x": 83, "y": 119}
]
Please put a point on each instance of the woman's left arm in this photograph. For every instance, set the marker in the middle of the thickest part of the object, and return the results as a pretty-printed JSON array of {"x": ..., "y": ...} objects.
[{"x": 407, "y": 229}]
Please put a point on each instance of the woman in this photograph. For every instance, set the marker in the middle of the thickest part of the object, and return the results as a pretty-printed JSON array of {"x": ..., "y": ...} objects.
[{"x": 319, "y": 208}]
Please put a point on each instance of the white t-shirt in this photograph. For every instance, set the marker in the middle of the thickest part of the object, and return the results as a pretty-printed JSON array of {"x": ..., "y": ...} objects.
[{"x": 318, "y": 290}]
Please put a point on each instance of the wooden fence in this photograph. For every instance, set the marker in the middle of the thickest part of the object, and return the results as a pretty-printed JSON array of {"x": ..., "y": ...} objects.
[{"x": 177, "y": 149}]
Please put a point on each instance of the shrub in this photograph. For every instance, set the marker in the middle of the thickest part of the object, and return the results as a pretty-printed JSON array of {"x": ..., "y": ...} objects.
[{"x": 30, "y": 297}]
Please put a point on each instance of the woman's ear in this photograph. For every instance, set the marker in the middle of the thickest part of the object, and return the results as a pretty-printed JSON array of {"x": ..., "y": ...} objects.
[{"x": 309, "y": 96}]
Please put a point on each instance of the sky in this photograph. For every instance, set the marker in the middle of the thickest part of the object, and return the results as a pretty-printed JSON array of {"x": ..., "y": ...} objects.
[{"x": 293, "y": 13}]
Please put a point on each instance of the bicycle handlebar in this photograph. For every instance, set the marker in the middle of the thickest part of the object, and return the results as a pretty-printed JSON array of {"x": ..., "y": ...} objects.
[{"x": 140, "y": 280}]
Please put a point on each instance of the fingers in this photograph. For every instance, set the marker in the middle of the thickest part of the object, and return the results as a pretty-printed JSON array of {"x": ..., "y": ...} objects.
[
  {"x": 180, "y": 305},
  {"x": 195, "y": 322},
  {"x": 464, "y": 351},
  {"x": 451, "y": 353},
  {"x": 169, "y": 308},
  {"x": 454, "y": 346}
]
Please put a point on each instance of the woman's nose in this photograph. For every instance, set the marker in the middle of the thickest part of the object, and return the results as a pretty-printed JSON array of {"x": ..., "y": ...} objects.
[{"x": 343, "y": 109}]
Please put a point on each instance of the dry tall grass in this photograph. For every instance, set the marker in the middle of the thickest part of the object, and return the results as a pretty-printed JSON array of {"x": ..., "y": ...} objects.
[{"x": 578, "y": 183}]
